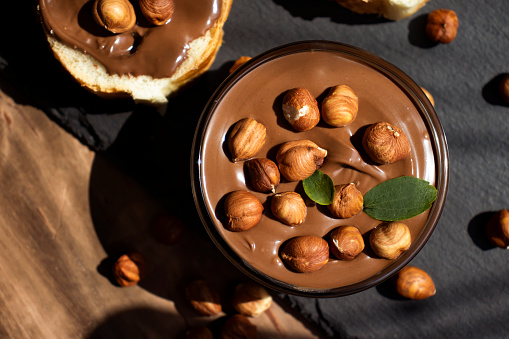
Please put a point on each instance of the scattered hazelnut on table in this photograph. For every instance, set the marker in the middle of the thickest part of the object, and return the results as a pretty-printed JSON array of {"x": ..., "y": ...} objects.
[
  {"x": 263, "y": 174},
  {"x": 251, "y": 299},
  {"x": 239, "y": 62},
  {"x": 414, "y": 283},
  {"x": 298, "y": 159},
  {"x": 497, "y": 229},
  {"x": 389, "y": 239},
  {"x": 306, "y": 253},
  {"x": 158, "y": 12},
  {"x": 129, "y": 269},
  {"x": 199, "y": 333},
  {"x": 429, "y": 96},
  {"x": 300, "y": 109},
  {"x": 346, "y": 242},
  {"x": 167, "y": 229},
  {"x": 289, "y": 208},
  {"x": 243, "y": 210},
  {"x": 203, "y": 297},
  {"x": 246, "y": 139},
  {"x": 117, "y": 16},
  {"x": 504, "y": 88},
  {"x": 347, "y": 201},
  {"x": 238, "y": 326},
  {"x": 340, "y": 106},
  {"x": 442, "y": 25},
  {"x": 385, "y": 143}
]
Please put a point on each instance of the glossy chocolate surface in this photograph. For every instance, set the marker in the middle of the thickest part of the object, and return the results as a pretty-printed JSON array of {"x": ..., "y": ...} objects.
[
  {"x": 146, "y": 49},
  {"x": 258, "y": 94}
]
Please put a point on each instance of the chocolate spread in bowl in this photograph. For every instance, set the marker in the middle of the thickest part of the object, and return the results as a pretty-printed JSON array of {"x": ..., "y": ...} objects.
[
  {"x": 258, "y": 94},
  {"x": 146, "y": 49}
]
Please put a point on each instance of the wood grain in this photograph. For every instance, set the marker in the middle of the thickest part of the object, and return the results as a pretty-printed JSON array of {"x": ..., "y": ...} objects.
[{"x": 66, "y": 214}]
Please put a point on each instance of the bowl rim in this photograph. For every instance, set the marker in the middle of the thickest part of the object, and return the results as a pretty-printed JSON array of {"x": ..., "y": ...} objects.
[{"x": 415, "y": 93}]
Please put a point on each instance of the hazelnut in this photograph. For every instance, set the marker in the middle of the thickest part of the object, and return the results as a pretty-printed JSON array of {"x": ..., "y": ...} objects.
[
  {"x": 129, "y": 269},
  {"x": 238, "y": 326},
  {"x": 442, "y": 25},
  {"x": 306, "y": 253},
  {"x": 340, "y": 106},
  {"x": 264, "y": 174},
  {"x": 389, "y": 239},
  {"x": 246, "y": 139},
  {"x": 346, "y": 242},
  {"x": 203, "y": 297},
  {"x": 428, "y": 95},
  {"x": 239, "y": 62},
  {"x": 243, "y": 210},
  {"x": 300, "y": 109},
  {"x": 158, "y": 12},
  {"x": 414, "y": 283},
  {"x": 251, "y": 299},
  {"x": 504, "y": 88},
  {"x": 347, "y": 201},
  {"x": 201, "y": 332},
  {"x": 385, "y": 143},
  {"x": 297, "y": 160},
  {"x": 117, "y": 16},
  {"x": 289, "y": 208},
  {"x": 497, "y": 229},
  {"x": 167, "y": 229}
]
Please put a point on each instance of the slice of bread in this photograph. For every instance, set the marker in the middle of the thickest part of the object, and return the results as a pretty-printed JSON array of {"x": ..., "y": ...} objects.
[
  {"x": 93, "y": 75},
  {"x": 390, "y": 9}
]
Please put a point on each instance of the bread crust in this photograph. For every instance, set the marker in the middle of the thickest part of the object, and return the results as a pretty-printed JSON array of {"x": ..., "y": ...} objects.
[
  {"x": 92, "y": 74},
  {"x": 390, "y": 9}
]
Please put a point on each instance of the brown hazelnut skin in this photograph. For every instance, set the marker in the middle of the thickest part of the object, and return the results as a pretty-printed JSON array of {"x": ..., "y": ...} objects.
[
  {"x": 385, "y": 143},
  {"x": 167, "y": 229},
  {"x": 289, "y": 208},
  {"x": 263, "y": 174},
  {"x": 251, "y": 299},
  {"x": 300, "y": 109},
  {"x": 243, "y": 211},
  {"x": 299, "y": 159},
  {"x": 117, "y": 16},
  {"x": 504, "y": 88},
  {"x": 389, "y": 239},
  {"x": 346, "y": 242},
  {"x": 129, "y": 269},
  {"x": 239, "y": 62},
  {"x": 442, "y": 25},
  {"x": 199, "y": 333},
  {"x": 414, "y": 283},
  {"x": 203, "y": 297},
  {"x": 497, "y": 229},
  {"x": 429, "y": 96},
  {"x": 347, "y": 201},
  {"x": 246, "y": 139},
  {"x": 340, "y": 106},
  {"x": 306, "y": 253},
  {"x": 158, "y": 12},
  {"x": 238, "y": 326}
]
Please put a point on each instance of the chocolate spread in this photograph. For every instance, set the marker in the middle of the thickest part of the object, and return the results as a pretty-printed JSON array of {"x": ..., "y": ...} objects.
[
  {"x": 146, "y": 49},
  {"x": 258, "y": 95}
]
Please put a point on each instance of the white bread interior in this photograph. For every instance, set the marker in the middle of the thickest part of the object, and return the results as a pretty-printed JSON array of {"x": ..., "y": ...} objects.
[
  {"x": 91, "y": 74},
  {"x": 390, "y": 9}
]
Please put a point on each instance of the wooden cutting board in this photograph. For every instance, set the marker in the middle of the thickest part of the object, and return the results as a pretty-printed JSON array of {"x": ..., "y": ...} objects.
[{"x": 66, "y": 214}]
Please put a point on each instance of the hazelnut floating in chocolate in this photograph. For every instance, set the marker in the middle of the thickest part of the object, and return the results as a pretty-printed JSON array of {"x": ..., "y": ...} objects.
[
  {"x": 300, "y": 109},
  {"x": 385, "y": 143},
  {"x": 297, "y": 160}
]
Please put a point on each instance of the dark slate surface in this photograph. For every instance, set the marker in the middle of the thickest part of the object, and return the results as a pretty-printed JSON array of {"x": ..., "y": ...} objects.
[{"x": 472, "y": 299}]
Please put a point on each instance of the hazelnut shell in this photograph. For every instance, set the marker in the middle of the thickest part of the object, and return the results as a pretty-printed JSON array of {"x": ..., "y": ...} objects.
[
  {"x": 497, "y": 229},
  {"x": 346, "y": 242},
  {"x": 246, "y": 139},
  {"x": 340, "y": 106},
  {"x": 243, "y": 211},
  {"x": 347, "y": 201},
  {"x": 442, "y": 25},
  {"x": 385, "y": 143},
  {"x": 289, "y": 208},
  {"x": 251, "y": 299},
  {"x": 300, "y": 109},
  {"x": 414, "y": 283},
  {"x": 117, "y": 16},
  {"x": 203, "y": 297},
  {"x": 306, "y": 253},
  {"x": 263, "y": 174},
  {"x": 298, "y": 159},
  {"x": 129, "y": 269},
  {"x": 389, "y": 239}
]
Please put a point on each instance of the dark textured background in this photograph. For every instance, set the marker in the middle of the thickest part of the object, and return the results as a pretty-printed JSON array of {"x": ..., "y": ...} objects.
[{"x": 471, "y": 277}]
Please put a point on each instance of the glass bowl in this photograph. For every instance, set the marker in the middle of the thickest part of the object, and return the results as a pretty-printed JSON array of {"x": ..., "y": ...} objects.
[{"x": 256, "y": 90}]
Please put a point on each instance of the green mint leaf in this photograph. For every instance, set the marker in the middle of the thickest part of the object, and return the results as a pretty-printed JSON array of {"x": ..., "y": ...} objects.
[
  {"x": 399, "y": 198},
  {"x": 319, "y": 187}
]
